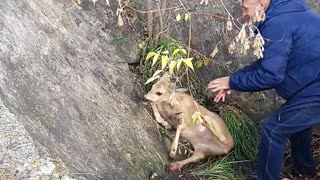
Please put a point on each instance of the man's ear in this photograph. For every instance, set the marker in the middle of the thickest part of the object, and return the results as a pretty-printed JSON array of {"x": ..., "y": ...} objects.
[{"x": 265, "y": 4}]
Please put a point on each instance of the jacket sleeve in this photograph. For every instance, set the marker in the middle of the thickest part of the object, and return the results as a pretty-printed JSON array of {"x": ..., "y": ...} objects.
[
  {"x": 248, "y": 68},
  {"x": 270, "y": 70}
]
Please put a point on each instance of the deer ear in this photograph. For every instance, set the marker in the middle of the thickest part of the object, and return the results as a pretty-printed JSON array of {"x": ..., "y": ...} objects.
[{"x": 165, "y": 76}]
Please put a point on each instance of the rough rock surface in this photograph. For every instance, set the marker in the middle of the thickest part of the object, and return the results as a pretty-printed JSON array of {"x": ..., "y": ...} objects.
[
  {"x": 68, "y": 95},
  {"x": 21, "y": 157},
  {"x": 64, "y": 80}
]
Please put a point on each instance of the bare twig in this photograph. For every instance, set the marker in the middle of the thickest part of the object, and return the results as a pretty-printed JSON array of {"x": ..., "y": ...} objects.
[
  {"x": 163, "y": 29},
  {"x": 189, "y": 47},
  {"x": 160, "y": 17},
  {"x": 212, "y": 15},
  {"x": 151, "y": 11},
  {"x": 149, "y": 18},
  {"x": 189, "y": 40},
  {"x": 183, "y": 6},
  {"x": 230, "y": 14},
  {"x": 226, "y": 9}
]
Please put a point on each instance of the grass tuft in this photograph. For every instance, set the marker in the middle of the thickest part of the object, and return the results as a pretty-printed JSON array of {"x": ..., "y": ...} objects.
[
  {"x": 244, "y": 132},
  {"x": 216, "y": 170}
]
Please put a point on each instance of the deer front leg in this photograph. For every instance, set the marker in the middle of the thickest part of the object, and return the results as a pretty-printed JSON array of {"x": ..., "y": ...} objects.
[
  {"x": 175, "y": 143},
  {"x": 158, "y": 117}
]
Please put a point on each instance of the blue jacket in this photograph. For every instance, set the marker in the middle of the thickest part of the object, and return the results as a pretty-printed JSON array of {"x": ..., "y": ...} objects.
[{"x": 291, "y": 62}]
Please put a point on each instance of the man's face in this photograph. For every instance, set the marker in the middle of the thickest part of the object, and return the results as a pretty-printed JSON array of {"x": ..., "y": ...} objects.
[{"x": 249, "y": 7}]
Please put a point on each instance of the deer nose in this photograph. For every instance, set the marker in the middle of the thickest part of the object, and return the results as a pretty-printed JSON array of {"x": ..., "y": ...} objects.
[{"x": 146, "y": 101}]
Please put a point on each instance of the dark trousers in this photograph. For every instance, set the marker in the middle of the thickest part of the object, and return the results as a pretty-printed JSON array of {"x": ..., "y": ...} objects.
[{"x": 296, "y": 126}]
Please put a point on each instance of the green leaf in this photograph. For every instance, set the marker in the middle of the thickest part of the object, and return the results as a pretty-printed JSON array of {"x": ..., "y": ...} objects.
[
  {"x": 150, "y": 80},
  {"x": 164, "y": 61},
  {"x": 186, "y": 17},
  {"x": 219, "y": 70},
  {"x": 205, "y": 61},
  {"x": 165, "y": 52},
  {"x": 156, "y": 73},
  {"x": 150, "y": 54},
  {"x": 178, "y": 17},
  {"x": 154, "y": 77},
  {"x": 155, "y": 59},
  {"x": 189, "y": 63},
  {"x": 199, "y": 64},
  {"x": 171, "y": 66},
  {"x": 179, "y": 64},
  {"x": 196, "y": 116},
  {"x": 175, "y": 52},
  {"x": 184, "y": 51}
]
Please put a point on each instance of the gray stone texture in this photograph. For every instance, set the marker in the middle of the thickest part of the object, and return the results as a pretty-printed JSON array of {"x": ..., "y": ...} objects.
[
  {"x": 66, "y": 82},
  {"x": 64, "y": 76}
]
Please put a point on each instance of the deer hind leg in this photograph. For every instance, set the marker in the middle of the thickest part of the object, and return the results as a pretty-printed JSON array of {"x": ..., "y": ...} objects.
[
  {"x": 215, "y": 128},
  {"x": 158, "y": 117},
  {"x": 201, "y": 151}
]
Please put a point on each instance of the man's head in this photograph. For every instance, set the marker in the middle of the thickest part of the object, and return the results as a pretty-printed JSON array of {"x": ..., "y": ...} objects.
[{"x": 249, "y": 7}]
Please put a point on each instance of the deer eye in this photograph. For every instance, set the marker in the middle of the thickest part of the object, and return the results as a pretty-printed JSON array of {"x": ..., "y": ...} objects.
[{"x": 158, "y": 93}]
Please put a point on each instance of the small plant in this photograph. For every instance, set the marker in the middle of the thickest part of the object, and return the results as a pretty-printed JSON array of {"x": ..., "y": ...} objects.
[
  {"x": 169, "y": 60},
  {"x": 216, "y": 170},
  {"x": 243, "y": 131}
]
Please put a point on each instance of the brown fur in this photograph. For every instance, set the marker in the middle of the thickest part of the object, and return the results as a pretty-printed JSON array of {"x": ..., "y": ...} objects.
[{"x": 208, "y": 139}]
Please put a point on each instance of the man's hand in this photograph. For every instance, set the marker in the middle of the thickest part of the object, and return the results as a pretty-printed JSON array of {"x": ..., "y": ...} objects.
[
  {"x": 221, "y": 87},
  {"x": 221, "y": 95},
  {"x": 219, "y": 84}
]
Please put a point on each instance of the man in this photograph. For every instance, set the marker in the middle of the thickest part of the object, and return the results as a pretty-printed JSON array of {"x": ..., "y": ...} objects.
[{"x": 290, "y": 65}]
